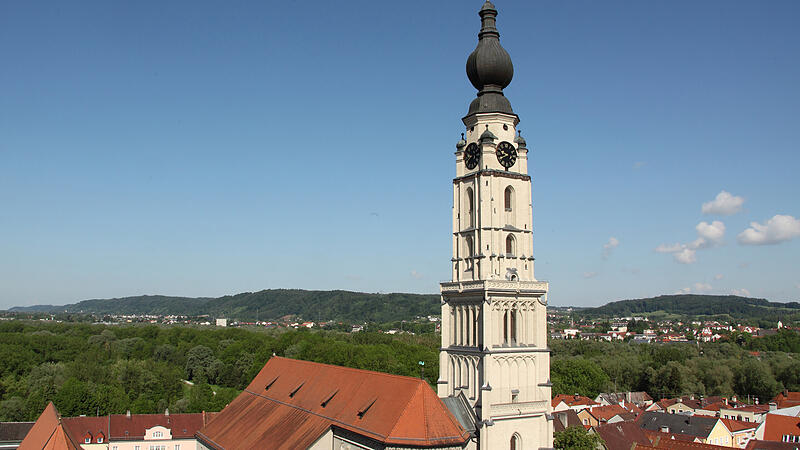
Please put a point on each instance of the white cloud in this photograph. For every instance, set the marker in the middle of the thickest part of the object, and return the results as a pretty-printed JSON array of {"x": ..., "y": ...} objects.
[
  {"x": 712, "y": 234},
  {"x": 719, "y": 276},
  {"x": 741, "y": 292},
  {"x": 609, "y": 246},
  {"x": 685, "y": 256},
  {"x": 589, "y": 274},
  {"x": 696, "y": 287},
  {"x": 702, "y": 287},
  {"x": 709, "y": 235},
  {"x": 669, "y": 248},
  {"x": 724, "y": 204},
  {"x": 779, "y": 228}
]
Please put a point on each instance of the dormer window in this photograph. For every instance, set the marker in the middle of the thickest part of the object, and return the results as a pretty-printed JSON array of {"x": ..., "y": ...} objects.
[{"x": 158, "y": 434}]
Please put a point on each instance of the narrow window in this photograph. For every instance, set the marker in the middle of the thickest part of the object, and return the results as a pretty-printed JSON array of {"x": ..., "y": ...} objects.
[
  {"x": 513, "y": 327},
  {"x": 510, "y": 245},
  {"x": 505, "y": 328},
  {"x": 468, "y": 252},
  {"x": 515, "y": 442},
  {"x": 470, "y": 207},
  {"x": 509, "y": 198}
]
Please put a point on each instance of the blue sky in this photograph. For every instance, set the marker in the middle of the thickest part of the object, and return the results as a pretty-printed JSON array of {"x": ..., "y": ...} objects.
[{"x": 201, "y": 149}]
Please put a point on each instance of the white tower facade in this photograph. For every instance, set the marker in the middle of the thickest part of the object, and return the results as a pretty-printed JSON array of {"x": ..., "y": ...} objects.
[{"x": 494, "y": 321}]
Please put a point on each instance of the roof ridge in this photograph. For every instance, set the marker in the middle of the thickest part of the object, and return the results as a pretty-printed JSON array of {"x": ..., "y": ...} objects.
[{"x": 372, "y": 372}]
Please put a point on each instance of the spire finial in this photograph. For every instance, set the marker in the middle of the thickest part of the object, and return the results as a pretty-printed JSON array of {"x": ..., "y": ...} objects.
[{"x": 489, "y": 66}]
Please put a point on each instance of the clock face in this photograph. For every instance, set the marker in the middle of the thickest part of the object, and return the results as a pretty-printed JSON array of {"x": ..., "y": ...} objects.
[
  {"x": 472, "y": 155},
  {"x": 506, "y": 154}
]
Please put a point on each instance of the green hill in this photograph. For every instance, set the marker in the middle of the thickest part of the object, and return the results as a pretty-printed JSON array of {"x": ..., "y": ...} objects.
[
  {"x": 265, "y": 305},
  {"x": 699, "y": 305}
]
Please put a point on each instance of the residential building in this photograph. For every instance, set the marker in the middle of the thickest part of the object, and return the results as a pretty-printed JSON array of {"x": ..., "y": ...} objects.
[
  {"x": 776, "y": 427},
  {"x": 706, "y": 430},
  {"x": 576, "y": 402},
  {"x": 640, "y": 399},
  {"x": 746, "y": 413}
]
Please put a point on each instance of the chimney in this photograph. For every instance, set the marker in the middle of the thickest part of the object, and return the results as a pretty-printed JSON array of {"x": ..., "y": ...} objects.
[
  {"x": 166, "y": 412},
  {"x": 773, "y": 406},
  {"x": 664, "y": 429},
  {"x": 725, "y": 400},
  {"x": 128, "y": 414}
]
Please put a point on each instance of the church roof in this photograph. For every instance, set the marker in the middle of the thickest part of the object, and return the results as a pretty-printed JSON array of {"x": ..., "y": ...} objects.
[
  {"x": 48, "y": 433},
  {"x": 295, "y": 402}
]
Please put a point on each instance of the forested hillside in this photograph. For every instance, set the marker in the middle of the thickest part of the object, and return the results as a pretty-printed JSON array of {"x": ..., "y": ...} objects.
[
  {"x": 98, "y": 369},
  {"x": 267, "y": 305},
  {"x": 699, "y": 305}
]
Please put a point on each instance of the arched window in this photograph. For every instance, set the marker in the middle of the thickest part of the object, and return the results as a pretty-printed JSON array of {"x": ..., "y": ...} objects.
[
  {"x": 510, "y": 245},
  {"x": 470, "y": 208},
  {"x": 516, "y": 443},
  {"x": 469, "y": 251},
  {"x": 509, "y": 198}
]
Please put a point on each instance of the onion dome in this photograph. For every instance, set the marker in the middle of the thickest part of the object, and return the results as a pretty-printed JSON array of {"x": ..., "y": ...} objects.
[
  {"x": 487, "y": 136},
  {"x": 489, "y": 67},
  {"x": 520, "y": 141},
  {"x": 461, "y": 143}
]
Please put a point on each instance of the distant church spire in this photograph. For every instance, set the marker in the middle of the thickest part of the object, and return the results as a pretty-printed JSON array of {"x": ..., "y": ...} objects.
[{"x": 489, "y": 67}]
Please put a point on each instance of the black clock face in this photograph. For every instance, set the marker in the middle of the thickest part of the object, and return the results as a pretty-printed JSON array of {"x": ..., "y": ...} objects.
[
  {"x": 472, "y": 155},
  {"x": 506, "y": 154}
]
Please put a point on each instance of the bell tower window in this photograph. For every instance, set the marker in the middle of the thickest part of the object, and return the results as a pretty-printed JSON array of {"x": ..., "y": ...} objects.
[
  {"x": 508, "y": 205},
  {"x": 469, "y": 207},
  {"x": 511, "y": 245}
]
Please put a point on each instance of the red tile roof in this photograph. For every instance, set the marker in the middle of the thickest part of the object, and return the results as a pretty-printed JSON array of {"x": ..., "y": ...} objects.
[
  {"x": 603, "y": 413},
  {"x": 293, "y": 403},
  {"x": 621, "y": 435},
  {"x": 787, "y": 399},
  {"x": 48, "y": 433},
  {"x": 182, "y": 426},
  {"x": 573, "y": 400},
  {"x": 777, "y": 426},
  {"x": 738, "y": 425},
  {"x": 771, "y": 445}
]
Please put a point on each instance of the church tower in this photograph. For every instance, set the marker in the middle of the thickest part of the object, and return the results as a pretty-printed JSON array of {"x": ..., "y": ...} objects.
[{"x": 494, "y": 322}]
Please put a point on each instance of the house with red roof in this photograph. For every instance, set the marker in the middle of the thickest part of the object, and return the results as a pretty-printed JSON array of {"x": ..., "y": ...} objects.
[
  {"x": 787, "y": 399},
  {"x": 741, "y": 432},
  {"x": 294, "y": 404},
  {"x": 779, "y": 428},
  {"x": 118, "y": 431},
  {"x": 576, "y": 402},
  {"x": 599, "y": 415}
]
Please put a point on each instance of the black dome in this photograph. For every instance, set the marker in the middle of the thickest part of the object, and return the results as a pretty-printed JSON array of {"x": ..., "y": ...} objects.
[{"x": 489, "y": 67}]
